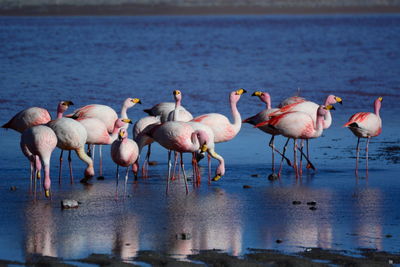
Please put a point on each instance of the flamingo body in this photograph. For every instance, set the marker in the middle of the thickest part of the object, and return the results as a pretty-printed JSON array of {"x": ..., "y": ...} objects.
[
  {"x": 27, "y": 118},
  {"x": 365, "y": 124},
  {"x": 102, "y": 112},
  {"x": 163, "y": 110},
  {"x": 124, "y": 152}
]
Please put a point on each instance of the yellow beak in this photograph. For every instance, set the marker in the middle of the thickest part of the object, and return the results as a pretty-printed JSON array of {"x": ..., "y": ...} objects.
[
  {"x": 47, "y": 193},
  {"x": 329, "y": 107},
  {"x": 127, "y": 121},
  {"x": 257, "y": 93},
  {"x": 203, "y": 148},
  {"x": 216, "y": 178},
  {"x": 338, "y": 99},
  {"x": 240, "y": 91},
  {"x": 136, "y": 100},
  {"x": 380, "y": 99}
]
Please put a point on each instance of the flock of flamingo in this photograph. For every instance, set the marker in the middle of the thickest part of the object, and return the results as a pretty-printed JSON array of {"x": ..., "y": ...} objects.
[{"x": 174, "y": 128}]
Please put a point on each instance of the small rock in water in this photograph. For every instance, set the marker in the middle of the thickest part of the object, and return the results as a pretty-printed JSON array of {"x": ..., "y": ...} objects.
[
  {"x": 184, "y": 236},
  {"x": 313, "y": 208},
  {"x": 153, "y": 163},
  {"x": 296, "y": 202},
  {"x": 312, "y": 203},
  {"x": 101, "y": 178},
  {"x": 13, "y": 188},
  {"x": 273, "y": 177},
  {"x": 69, "y": 204},
  {"x": 279, "y": 241},
  {"x": 246, "y": 186},
  {"x": 255, "y": 175}
]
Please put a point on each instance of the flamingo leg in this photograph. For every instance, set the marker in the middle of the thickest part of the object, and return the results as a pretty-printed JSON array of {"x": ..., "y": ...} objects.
[
  {"x": 60, "y": 169},
  {"x": 284, "y": 151},
  {"x": 145, "y": 166},
  {"x": 366, "y": 153},
  {"x": 209, "y": 168},
  {"x": 295, "y": 157},
  {"x": 116, "y": 182},
  {"x": 184, "y": 174},
  {"x": 301, "y": 157},
  {"x": 271, "y": 144},
  {"x": 308, "y": 154},
  {"x": 169, "y": 170},
  {"x": 194, "y": 167},
  {"x": 175, "y": 164},
  {"x": 126, "y": 180},
  {"x": 100, "y": 162},
  {"x": 309, "y": 164},
  {"x": 357, "y": 154},
  {"x": 70, "y": 167}
]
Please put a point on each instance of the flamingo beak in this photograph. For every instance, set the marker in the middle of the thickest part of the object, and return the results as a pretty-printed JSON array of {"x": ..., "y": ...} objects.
[
  {"x": 339, "y": 100},
  {"x": 47, "y": 193},
  {"x": 136, "y": 100},
  {"x": 257, "y": 93},
  {"x": 127, "y": 121},
  {"x": 216, "y": 178},
  {"x": 68, "y": 103},
  {"x": 38, "y": 174},
  {"x": 240, "y": 91},
  {"x": 380, "y": 98},
  {"x": 203, "y": 148},
  {"x": 176, "y": 92},
  {"x": 330, "y": 107}
]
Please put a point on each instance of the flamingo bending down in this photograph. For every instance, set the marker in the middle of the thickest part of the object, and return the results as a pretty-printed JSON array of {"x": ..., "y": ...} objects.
[
  {"x": 72, "y": 135},
  {"x": 39, "y": 142},
  {"x": 298, "y": 125},
  {"x": 223, "y": 129},
  {"x": 366, "y": 125},
  {"x": 124, "y": 152},
  {"x": 97, "y": 133},
  {"x": 264, "y": 116},
  {"x": 141, "y": 127},
  {"x": 181, "y": 137}
]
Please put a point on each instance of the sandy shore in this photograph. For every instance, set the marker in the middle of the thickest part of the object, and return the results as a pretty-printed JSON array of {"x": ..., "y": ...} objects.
[
  {"x": 255, "y": 257},
  {"x": 138, "y": 9}
]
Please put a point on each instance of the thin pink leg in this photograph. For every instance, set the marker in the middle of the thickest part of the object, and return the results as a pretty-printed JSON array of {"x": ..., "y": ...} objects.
[
  {"x": 357, "y": 154},
  {"x": 169, "y": 170},
  {"x": 101, "y": 161},
  {"x": 209, "y": 168},
  {"x": 70, "y": 167},
  {"x": 301, "y": 157},
  {"x": 283, "y": 154},
  {"x": 175, "y": 163},
  {"x": 295, "y": 157},
  {"x": 366, "y": 153}
]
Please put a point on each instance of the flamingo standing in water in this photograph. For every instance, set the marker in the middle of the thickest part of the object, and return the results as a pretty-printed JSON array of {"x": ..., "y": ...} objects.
[
  {"x": 264, "y": 116},
  {"x": 223, "y": 129},
  {"x": 298, "y": 124},
  {"x": 163, "y": 110},
  {"x": 124, "y": 152},
  {"x": 181, "y": 137},
  {"x": 97, "y": 133},
  {"x": 27, "y": 118},
  {"x": 37, "y": 143},
  {"x": 366, "y": 125}
]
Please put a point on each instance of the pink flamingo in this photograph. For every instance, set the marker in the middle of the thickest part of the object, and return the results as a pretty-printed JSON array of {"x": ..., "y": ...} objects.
[
  {"x": 97, "y": 133},
  {"x": 124, "y": 152},
  {"x": 27, "y": 118},
  {"x": 140, "y": 130},
  {"x": 223, "y": 129},
  {"x": 262, "y": 116},
  {"x": 39, "y": 142},
  {"x": 181, "y": 137},
  {"x": 366, "y": 125},
  {"x": 298, "y": 124},
  {"x": 72, "y": 135},
  {"x": 163, "y": 110}
]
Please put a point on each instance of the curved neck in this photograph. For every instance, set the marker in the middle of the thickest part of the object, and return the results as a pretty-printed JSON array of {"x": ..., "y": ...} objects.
[
  {"x": 114, "y": 134},
  {"x": 221, "y": 167},
  {"x": 194, "y": 142},
  {"x": 123, "y": 113},
  {"x": 237, "y": 120},
  {"x": 319, "y": 125},
  {"x": 327, "y": 120}
]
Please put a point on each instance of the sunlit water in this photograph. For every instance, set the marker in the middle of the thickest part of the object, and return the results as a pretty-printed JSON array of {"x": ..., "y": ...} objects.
[{"x": 106, "y": 59}]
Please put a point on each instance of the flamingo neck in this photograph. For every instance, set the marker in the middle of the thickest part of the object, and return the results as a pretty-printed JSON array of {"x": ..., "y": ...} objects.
[
  {"x": 319, "y": 126},
  {"x": 377, "y": 107},
  {"x": 124, "y": 114},
  {"x": 237, "y": 120},
  {"x": 88, "y": 160},
  {"x": 47, "y": 181},
  {"x": 60, "y": 113},
  {"x": 327, "y": 120},
  {"x": 114, "y": 134},
  {"x": 194, "y": 142}
]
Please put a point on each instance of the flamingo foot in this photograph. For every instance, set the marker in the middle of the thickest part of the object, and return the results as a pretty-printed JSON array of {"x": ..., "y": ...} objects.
[{"x": 310, "y": 166}]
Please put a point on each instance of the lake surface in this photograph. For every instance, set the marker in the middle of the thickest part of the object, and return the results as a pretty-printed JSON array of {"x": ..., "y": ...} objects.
[{"x": 106, "y": 59}]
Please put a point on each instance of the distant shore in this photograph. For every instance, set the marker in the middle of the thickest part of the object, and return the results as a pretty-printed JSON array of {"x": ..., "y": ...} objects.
[{"x": 137, "y": 9}]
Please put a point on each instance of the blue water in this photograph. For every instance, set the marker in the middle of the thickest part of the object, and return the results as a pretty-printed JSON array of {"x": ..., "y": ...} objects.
[{"x": 106, "y": 59}]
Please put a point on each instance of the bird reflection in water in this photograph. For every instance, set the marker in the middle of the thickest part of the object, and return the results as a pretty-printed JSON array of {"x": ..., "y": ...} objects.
[{"x": 126, "y": 238}]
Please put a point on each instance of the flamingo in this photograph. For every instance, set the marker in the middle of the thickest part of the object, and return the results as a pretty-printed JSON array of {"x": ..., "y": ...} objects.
[
  {"x": 181, "y": 137},
  {"x": 39, "y": 142},
  {"x": 97, "y": 133},
  {"x": 124, "y": 152},
  {"x": 163, "y": 110},
  {"x": 298, "y": 124},
  {"x": 365, "y": 125},
  {"x": 221, "y": 126},
  {"x": 27, "y": 118},
  {"x": 291, "y": 100},
  {"x": 141, "y": 127},
  {"x": 264, "y": 116},
  {"x": 72, "y": 135}
]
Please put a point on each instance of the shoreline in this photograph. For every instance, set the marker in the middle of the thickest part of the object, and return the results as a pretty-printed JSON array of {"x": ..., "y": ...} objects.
[{"x": 138, "y": 10}]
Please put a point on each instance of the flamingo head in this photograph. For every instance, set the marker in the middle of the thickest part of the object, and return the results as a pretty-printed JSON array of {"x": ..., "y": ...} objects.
[
  {"x": 203, "y": 140},
  {"x": 235, "y": 95},
  {"x": 121, "y": 122},
  {"x": 89, "y": 172},
  {"x": 130, "y": 102},
  {"x": 323, "y": 110},
  {"x": 122, "y": 134},
  {"x": 177, "y": 95},
  {"x": 219, "y": 172},
  {"x": 378, "y": 104},
  {"x": 331, "y": 99},
  {"x": 63, "y": 106},
  {"x": 264, "y": 97}
]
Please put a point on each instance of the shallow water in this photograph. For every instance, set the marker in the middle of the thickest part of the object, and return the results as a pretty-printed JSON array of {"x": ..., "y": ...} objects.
[{"x": 106, "y": 59}]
